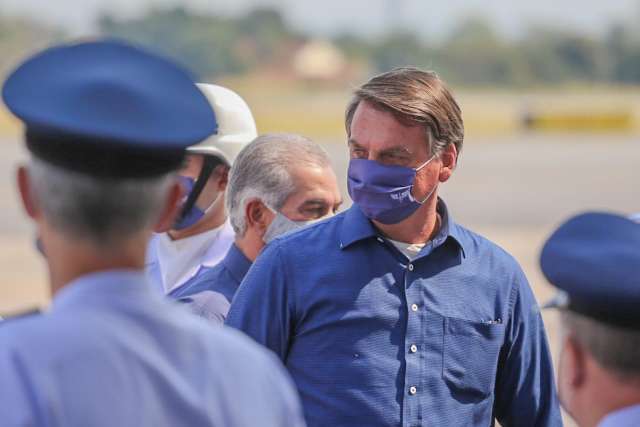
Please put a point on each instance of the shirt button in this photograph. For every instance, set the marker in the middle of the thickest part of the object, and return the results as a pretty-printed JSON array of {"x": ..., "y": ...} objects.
[
  {"x": 414, "y": 307},
  {"x": 410, "y": 267},
  {"x": 412, "y": 390},
  {"x": 413, "y": 348}
]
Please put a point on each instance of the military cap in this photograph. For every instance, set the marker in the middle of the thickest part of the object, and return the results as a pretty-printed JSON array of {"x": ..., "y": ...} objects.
[
  {"x": 108, "y": 108},
  {"x": 594, "y": 260}
]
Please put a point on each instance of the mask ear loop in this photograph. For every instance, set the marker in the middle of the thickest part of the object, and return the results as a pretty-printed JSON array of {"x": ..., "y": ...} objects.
[
  {"x": 434, "y": 188},
  {"x": 208, "y": 166}
]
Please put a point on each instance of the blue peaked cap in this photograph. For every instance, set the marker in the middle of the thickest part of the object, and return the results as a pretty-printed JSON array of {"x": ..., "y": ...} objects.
[
  {"x": 594, "y": 260},
  {"x": 108, "y": 108}
]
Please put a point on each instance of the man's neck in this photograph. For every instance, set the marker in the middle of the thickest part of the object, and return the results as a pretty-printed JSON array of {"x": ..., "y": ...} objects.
[
  {"x": 420, "y": 227},
  {"x": 69, "y": 260},
  {"x": 250, "y": 245}
]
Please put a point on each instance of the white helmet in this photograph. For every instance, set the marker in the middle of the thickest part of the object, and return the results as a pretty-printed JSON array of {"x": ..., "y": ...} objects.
[{"x": 236, "y": 126}]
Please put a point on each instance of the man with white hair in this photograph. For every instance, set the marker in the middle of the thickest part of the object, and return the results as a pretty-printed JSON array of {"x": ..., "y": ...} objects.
[
  {"x": 202, "y": 234},
  {"x": 278, "y": 183},
  {"x": 107, "y": 127}
]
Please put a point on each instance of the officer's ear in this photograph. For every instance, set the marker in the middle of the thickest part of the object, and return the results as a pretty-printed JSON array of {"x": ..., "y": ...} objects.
[
  {"x": 449, "y": 159},
  {"x": 575, "y": 363},
  {"x": 26, "y": 193},
  {"x": 171, "y": 208},
  {"x": 257, "y": 216}
]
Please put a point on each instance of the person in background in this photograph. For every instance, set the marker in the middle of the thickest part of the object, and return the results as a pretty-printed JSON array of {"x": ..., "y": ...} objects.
[
  {"x": 202, "y": 235},
  {"x": 391, "y": 313},
  {"x": 594, "y": 261},
  {"x": 107, "y": 126},
  {"x": 278, "y": 183}
]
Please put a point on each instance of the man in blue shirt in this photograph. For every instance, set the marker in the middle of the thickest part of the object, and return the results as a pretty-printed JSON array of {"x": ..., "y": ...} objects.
[
  {"x": 391, "y": 313},
  {"x": 594, "y": 261},
  {"x": 107, "y": 125},
  {"x": 278, "y": 183}
]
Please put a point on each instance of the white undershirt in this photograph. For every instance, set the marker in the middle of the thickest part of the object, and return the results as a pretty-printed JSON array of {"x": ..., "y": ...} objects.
[
  {"x": 410, "y": 250},
  {"x": 178, "y": 260}
]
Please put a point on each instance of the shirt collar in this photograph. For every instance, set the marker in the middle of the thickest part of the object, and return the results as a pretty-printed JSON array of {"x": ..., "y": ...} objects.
[
  {"x": 102, "y": 288},
  {"x": 237, "y": 263},
  {"x": 356, "y": 226}
]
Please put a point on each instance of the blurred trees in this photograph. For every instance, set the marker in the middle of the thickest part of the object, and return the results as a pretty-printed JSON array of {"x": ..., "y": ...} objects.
[{"x": 472, "y": 54}]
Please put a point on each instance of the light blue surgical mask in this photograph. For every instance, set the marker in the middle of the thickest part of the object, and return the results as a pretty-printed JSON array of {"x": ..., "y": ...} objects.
[{"x": 282, "y": 225}]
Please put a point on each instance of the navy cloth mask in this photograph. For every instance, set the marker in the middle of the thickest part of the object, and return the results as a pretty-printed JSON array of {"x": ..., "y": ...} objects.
[
  {"x": 195, "y": 214},
  {"x": 383, "y": 192}
]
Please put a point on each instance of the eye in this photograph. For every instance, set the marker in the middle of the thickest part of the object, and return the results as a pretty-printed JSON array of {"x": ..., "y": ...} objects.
[
  {"x": 358, "y": 153},
  {"x": 315, "y": 213}
]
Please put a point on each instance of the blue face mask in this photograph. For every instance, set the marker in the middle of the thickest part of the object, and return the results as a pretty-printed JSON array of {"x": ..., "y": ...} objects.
[
  {"x": 383, "y": 192},
  {"x": 195, "y": 214}
]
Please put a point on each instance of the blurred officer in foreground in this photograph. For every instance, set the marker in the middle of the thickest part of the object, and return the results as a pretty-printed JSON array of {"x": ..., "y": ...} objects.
[
  {"x": 107, "y": 125},
  {"x": 391, "y": 313},
  {"x": 202, "y": 234},
  {"x": 278, "y": 183},
  {"x": 594, "y": 260}
]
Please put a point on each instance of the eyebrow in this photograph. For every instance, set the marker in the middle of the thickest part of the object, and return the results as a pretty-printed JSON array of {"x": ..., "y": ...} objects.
[
  {"x": 352, "y": 141},
  {"x": 398, "y": 149}
]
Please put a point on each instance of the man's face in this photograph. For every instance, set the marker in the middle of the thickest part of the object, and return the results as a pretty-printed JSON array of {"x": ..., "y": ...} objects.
[
  {"x": 211, "y": 191},
  {"x": 316, "y": 195},
  {"x": 378, "y": 135}
]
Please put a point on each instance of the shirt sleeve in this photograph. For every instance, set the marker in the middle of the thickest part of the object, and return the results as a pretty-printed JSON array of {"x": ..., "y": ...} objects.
[
  {"x": 525, "y": 387},
  {"x": 262, "y": 307}
]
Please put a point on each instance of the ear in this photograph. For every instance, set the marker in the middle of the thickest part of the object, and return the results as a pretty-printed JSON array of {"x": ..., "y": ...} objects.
[
  {"x": 222, "y": 174},
  {"x": 575, "y": 363},
  {"x": 257, "y": 216},
  {"x": 170, "y": 209},
  {"x": 449, "y": 159},
  {"x": 24, "y": 187}
]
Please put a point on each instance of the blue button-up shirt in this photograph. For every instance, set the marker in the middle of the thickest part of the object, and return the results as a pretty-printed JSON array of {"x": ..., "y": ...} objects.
[
  {"x": 210, "y": 291},
  {"x": 452, "y": 338},
  {"x": 112, "y": 353}
]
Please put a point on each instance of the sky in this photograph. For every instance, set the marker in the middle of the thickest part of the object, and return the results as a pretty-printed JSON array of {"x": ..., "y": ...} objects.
[{"x": 430, "y": 19}]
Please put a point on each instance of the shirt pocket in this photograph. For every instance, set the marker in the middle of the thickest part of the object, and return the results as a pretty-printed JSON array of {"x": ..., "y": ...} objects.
[{"x": 470, "y": 356}]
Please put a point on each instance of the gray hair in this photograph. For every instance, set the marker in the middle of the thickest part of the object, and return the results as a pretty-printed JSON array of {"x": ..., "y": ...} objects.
[
  {"x": 262, "y": 171},
  {"x": 616, "y": 349},
  {"x": 103, "y": 211}
]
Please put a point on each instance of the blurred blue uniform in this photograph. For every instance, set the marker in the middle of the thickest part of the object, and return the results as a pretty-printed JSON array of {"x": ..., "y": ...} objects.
[
  {"x": 210, "y": 291},
  {"x": 111, "y": 352},
  {"x": 593, "y": 259}
]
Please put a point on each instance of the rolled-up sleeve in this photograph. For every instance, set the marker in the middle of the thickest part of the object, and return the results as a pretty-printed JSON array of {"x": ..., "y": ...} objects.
[
  {"x": 525, "y": 387},
  {"x": 262, "y": 307}
]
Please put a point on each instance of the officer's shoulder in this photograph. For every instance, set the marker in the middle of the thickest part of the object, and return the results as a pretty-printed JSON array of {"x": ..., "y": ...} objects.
[
  {"x": 18, "y": 327},
  {"x": 13, "y": 318}
]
